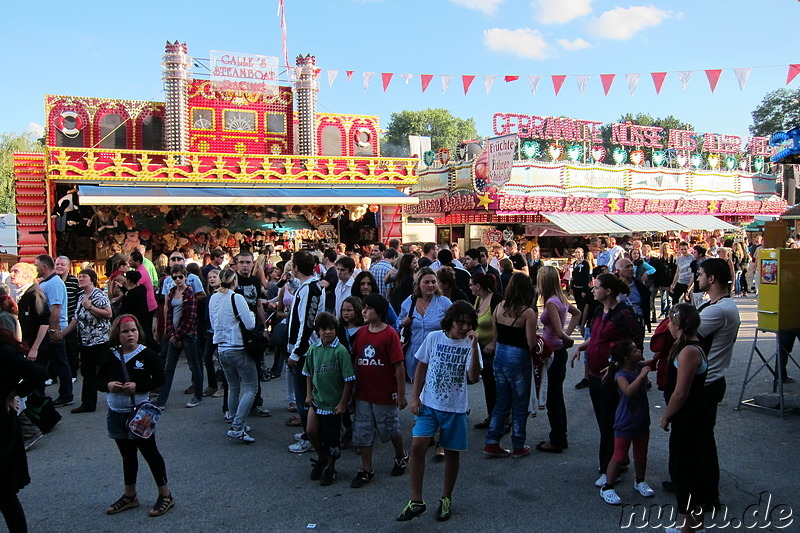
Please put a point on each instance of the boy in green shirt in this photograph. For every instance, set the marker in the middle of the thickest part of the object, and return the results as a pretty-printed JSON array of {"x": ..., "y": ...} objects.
[{"x": 329, "y": 377}]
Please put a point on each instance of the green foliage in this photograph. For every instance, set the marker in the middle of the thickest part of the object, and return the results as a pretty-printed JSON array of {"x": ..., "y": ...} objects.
[
  {"x": 445, "y": 130},
  {"x": 778, "y": 111},
  {"x": 10, "y": 143}
]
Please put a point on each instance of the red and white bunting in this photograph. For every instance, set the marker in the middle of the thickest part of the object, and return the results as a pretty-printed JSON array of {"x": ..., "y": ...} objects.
[
  {"x": 386, "y": 78},
  {"x": 558, "y": 81},
  {"x": 534, "y": 83},
  {"x": 446, "y": 79},
  {"x": 685, "y": 76},
  {"x": 367, "y": 78},
  {"x": 332, "y": 76},
  {"x": 582, "y": 80},
  {"x": 658, "y": 80},
  {"x": 425, "y": 80},
  {"x": 606, "y": 80},
  {"x": 466, "y": 81},
  {"x": 794, "y": 70},
  {"x": 407, "y": 77},
  {"x": 713, "y": 77},
  {"x": 510, "y": 78},
  {"x": 742, "y": 74},
  {"x": 349, "y": 74},
  {"x": 633, "y": 81},
  {"x": 488, "y": 81}
]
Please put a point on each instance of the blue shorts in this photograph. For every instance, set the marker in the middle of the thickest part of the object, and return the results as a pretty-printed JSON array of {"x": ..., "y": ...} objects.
[{"x": 452, "y": 426}]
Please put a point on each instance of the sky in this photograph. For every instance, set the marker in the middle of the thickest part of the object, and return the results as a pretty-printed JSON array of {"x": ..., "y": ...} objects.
[{"x": 113, "y": 50}]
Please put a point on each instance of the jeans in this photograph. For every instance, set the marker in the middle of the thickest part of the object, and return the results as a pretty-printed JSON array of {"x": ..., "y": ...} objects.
[
  {"x": 556, "y": 410},
  {"x": 605, "y": 400},
  {"x": 512, "y": 374},
  {"x": 189, "y": 347},
  {"x": 242, "y": 376},
  {"x": 208, "y": 360},
  {"x": 58, "y": 365}
]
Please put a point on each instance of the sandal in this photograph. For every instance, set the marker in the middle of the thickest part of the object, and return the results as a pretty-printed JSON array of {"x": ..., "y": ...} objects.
[
  {"x": 163, "y": 504},
  {"x": 294, "y": 421},
  {"x": 123, "y": 504}
]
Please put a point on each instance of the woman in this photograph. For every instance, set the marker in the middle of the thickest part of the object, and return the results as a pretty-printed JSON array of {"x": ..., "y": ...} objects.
[
  {"x": 725, "y": 254},
  {"x": 612, "y": 321},
  {"x": 741, "y": 267},
  {"x": 125, "y": 388},
  {"x": 514, "y": 333},
  {"x": 119, "y": 265},
  {"x": 180, "y": 330},
  {"x": 273, "y": 275},
  {"x": 581, "y": 279},
  {"x": 134, "y": 302},
  {"x": 486, "y": 300},
  {"x": 506, "y": 268},
  {"x": 18, "y": 378},
  {"x": 554, "y": 313},
  {"x": 209, "y": 348},
  {"x": 93, "y": 321},
  {"x": 447, "y": 284},
  {"x": 641, "y": 268},
  {"x": 407, "y": 266},
  {"x": 365, "y": 285},
  {"x": 421, "y": 313},
  {"x": 691, "y": 440},
  {"x": 8, "y": 313},
  {"x": 239, "y": 368}
]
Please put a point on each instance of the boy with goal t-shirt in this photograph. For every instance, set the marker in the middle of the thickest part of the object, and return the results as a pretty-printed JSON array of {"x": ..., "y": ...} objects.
[
  {"x": 380, "y": 388},
  {"x": 448, "y": 361}
]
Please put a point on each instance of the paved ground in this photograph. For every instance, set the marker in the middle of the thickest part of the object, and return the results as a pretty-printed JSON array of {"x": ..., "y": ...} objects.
[{"x": 223, "y": 486}]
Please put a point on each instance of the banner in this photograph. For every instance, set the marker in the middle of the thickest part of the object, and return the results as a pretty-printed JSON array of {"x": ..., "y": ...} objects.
[
  {"x": 493, "y": 166},
  {"x": 233, "y": 71}
]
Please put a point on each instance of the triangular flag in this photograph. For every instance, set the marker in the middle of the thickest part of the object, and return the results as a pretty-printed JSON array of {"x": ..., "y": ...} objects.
[
  {"x": 633, "y": 81},
  {"x": 488, "y": 81},
  {"x": 534, "y": 81},
  {"x": 332, "y": 76},
  {"x": 349, "y": 74},
  {"x": 510, "y": 78},
  {"x": 466, "y": 81},
  {"x": 425, "y": 79},
  {"x": 386, "y": 77},
  {"x": 742, "y": 74},
  {"x": 446, "y": 78},
  {"x": 658, "y": 80},
  {"x": 713, "y": 77},
  {"x": 367, "y": 78},
  {"x": 407, "y": 77},
  {"x": 582, "y": 80},
  {"x": 685, "y": 76},
  {"x": 558, "y": 81},
  {"x": 794, "y": 70},
  {"x": 606, "y": 80}
]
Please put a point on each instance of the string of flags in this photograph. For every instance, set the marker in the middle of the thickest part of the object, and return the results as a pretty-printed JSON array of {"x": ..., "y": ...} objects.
[{"x": 606, "y": 80}]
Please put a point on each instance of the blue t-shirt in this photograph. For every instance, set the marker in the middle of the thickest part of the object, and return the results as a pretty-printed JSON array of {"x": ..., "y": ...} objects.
[
  {"x": 633, "y": 412},
  {"x": 56, "y": 291}
]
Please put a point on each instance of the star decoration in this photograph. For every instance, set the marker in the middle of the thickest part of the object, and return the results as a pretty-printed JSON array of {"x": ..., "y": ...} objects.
[
  {"x": 712, "y": 206},
  {"x": 613, "y": 206},
  {"x": 483, "y": 201}
]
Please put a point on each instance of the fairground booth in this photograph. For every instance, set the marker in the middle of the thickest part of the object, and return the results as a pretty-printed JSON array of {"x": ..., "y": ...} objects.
[
  {"x": 236, "y": 159},
  {"x": 555, "y": 179}
]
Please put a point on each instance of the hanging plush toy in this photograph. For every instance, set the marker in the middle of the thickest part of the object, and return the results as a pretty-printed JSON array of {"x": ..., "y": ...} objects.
[{"x": 68, "y": 206}]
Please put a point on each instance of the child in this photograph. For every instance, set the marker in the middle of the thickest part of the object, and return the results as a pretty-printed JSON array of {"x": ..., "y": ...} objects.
[
  {"x": 448, "y": 361},
  {"x": 329, "y": 380},
  {"x": 351, "y": 318},
  {"x": 380, "y": 393},
  {"x": 146, "y": 373},
  {"x": 632, "y": 422}
]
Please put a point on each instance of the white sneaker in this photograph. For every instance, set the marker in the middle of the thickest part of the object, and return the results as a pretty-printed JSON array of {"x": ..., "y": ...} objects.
[
  {"x": 48, "y": 382},
  {"x": 240, "y": 435},
  {"x": 298, "y": 437},
  {"x": 644, "y": 489},
  {"x": 74, "y": 380},
  {"x": 301, "y": 446},
  {"x": 263, "y": 412},
  {"x": 228, "y": 416},
  {"x": 610, "y": 496}
]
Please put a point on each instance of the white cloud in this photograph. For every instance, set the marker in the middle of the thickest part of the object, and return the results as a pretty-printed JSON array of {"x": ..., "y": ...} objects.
[
  {"x": 487, "y": 6},
  {"x": 35, "y": 129},
  {"x": 621, "y": 24},
  {"x": 577, "y": 44},
  {"x": 560, "y": 11},
  {"x": 523, "y": 42}
]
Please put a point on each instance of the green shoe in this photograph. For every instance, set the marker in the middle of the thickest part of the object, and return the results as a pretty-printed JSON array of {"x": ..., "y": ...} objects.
[
  {"x": 413, "y": 510},
  {"x": 443, "y": 513}
]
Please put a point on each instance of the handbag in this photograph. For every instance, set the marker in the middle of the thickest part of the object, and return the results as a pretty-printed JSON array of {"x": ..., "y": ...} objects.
[
  {"x": 41, "y": 411},
  {"x": 145, "y": 415},
  {"x": 405, "y": 331},
  {"x": 254, "y": 344}
]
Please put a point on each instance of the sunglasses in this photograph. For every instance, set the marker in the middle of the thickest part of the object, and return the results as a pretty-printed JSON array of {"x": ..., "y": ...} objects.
[
  {"x": 174, "y": 278},
  {"x": 176, "y": 258}
]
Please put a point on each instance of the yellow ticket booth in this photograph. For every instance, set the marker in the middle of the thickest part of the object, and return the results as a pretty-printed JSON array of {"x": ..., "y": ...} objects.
[{"x": 779, "y": 289}]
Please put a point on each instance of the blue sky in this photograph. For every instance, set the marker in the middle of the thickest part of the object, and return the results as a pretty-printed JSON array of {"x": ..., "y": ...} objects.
[{"x": 113, "y": 49}]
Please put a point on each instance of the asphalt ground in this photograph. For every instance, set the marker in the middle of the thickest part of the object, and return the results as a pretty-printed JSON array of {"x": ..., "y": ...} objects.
[{"x": 221, "y": 485}]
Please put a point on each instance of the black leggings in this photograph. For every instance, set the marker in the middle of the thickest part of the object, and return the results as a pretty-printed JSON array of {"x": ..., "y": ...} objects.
[
  {"x": 130, "y": 462},
  {"x": 13, "y": 513}
]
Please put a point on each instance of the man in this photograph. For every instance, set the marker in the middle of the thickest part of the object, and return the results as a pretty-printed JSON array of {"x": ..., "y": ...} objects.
[
  {"x": 429, "y": 251},
  {"x": 380, "y": 267},
  {"x": 56, "y": 292},
  {"x": 683, "y": 273},
  {"x": 177, "y": 258},
  {"x": 344, "y": 287},
  {"x": 463, "y": 277},
  {"x": 639, "y": 296},
  {"x": 497, "y": 254},
  {"x": 699, "y": 255},
  {"x": 395, "y": 244},
  {"x": 712, "y": 246},
  {"x": 603, "y": 254},
  {"x": 436, "y": 265},
  {"x": 472, "y": 262},
  {"x": 330, "y": 278},
  {"x": 534, "y": 265},
  {"x": 309, "y": 300},
  {"x": 517, "y": 259},
  {"x": 136, "y": 262},
  {"x": 752, "y": 269},
  {"x": 217, "y": 258},
  {"x": 617, "y": 253},
  {"x": 149, "y": 266},
  {"x": 489, "y": 269},
  {"x": 74, "y": 294}
]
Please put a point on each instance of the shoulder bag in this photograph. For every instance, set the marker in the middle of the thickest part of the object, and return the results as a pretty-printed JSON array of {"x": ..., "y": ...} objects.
[
  {"x": 145, "y": 415},
  {"x": 254, "y": 344}
]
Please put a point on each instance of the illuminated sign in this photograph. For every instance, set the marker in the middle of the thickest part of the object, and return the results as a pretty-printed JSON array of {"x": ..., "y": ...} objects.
[{"x": 232, "y": 71}]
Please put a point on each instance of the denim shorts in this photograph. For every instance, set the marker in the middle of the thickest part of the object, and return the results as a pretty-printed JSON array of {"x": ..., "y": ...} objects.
[
  {"x": 372, "y": 416},
  {"x": 452, "y": 426},
  {"x": 117, "y": 426}
]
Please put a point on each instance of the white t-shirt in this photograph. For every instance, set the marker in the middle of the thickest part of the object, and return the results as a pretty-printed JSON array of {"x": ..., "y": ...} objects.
[
  {"x": 445, "y": 385},
  {"x": 719, "y": 323}
]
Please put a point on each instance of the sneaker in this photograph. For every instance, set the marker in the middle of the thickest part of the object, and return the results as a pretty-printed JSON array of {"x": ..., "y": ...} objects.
[
  {"x": 582, "y": 384},
  {"x": 362, "y": 478},
  {"x": 189, "y": 390},
  {"x": 299, "y": 436},
  {"x": 240, "y": 435},
  {"x": 644, "y": 489},
  {"x": 194, "y": 402},
  {"x": 443, "y": 513},
  {"x": 610, "y": 497},
  {"x": 328, "y": 476},
  {"x": 301, "y": 446},
  {"x": 30, "y": 441},
  {"x": 495, "y": 450},
  {"x": 209, "y": 391},
  {"x": 62, "y": 403},
  {"x": 317, "y": 466},
  {"x": 400, "y": 465},
  {"x": 521, "y": 452},
  {"x": 412, "y": 510},
  {"x": 219, "y": 393},
  {"x": 263, "y": 412},
  {"x": 228, "y": 416},
  {"x": 48, "y": 382},
  {"x": 74, "y": 380}
]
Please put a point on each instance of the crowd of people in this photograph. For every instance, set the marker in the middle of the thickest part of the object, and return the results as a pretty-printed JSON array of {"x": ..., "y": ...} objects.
[{"x": 349, "y": 336}]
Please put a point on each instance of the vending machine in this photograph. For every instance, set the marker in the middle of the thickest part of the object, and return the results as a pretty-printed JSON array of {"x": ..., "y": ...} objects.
[{"x": 778, "y": 289}]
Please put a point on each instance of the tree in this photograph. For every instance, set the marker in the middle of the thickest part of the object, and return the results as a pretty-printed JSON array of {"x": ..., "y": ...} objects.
[
  {"x": 10, "y": 143},
  {"x": 445, "y": 130},
  {"x": 778, "y": 111}
]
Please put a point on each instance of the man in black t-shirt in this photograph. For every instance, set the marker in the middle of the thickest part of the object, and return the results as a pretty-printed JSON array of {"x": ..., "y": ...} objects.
[{"x": 517, "y": 259}]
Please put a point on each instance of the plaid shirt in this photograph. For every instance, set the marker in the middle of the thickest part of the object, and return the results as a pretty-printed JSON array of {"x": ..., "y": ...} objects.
[
  {"x": 188, "y": 322},
  {"x": 379, "y": 270}
]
